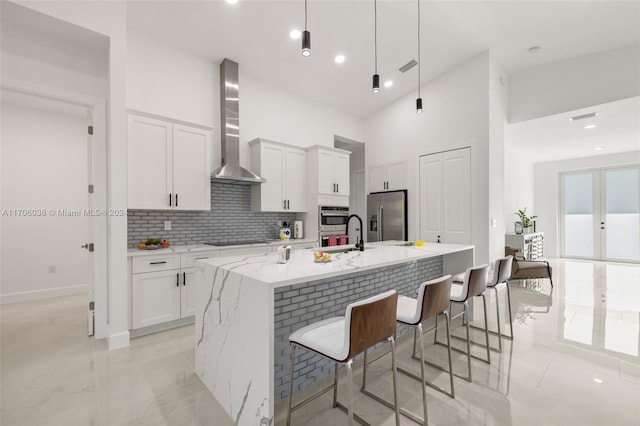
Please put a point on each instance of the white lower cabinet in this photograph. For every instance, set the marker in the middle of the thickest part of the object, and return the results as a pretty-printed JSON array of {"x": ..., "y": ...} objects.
[
  {"x": 163, "y": 287},
  {"x": 155, "y": 298}
]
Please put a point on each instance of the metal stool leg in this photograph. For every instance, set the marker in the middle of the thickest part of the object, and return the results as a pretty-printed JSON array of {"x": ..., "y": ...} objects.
[
  {"x": 335, "y": 386},
  {"x": 466, "y": 316},
  {"x": 446, "y": 317},
  {"x": 424, "y": 386},
  {"x": 498, "y": 319},
  {"x": 350, "y": 385},
  {"x": 486, "y": 328},
  {"x": 291, "y": 362},
  {"x": 509, "y": 307},
  {"x": 395, "y": 385},
  {"x": 364, "y": 371}
]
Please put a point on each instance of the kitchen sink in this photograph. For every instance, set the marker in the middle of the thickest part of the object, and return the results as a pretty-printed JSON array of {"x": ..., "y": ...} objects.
[{"x": 341, "y": 249}]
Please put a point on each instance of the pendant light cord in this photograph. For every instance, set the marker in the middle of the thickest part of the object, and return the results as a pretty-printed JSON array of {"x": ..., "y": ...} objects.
[
  {"x": 419, "y": 61},
  {"x": 375, "y": 33},
  {"x": 305, "y": 15}
]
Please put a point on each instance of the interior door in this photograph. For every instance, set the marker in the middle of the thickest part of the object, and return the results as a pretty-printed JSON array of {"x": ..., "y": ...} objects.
[
  {"x": 445, "y": 196},
  {"x": 600, "y": 217}
]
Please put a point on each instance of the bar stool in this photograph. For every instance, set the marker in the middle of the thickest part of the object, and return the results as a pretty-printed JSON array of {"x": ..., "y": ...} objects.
[
  {"x": 474, "y": 284},
  {"x": 500, "y": 279},
  {"x": 433, "y": 299},
  {"x": 340, "y": 339}
]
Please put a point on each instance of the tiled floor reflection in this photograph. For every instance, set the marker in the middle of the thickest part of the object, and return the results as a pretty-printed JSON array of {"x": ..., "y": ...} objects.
[{"x": 574, "y": 361}]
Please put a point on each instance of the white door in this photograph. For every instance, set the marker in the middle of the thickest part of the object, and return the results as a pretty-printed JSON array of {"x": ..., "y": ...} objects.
[
  {"x": 296, "y": 180},
  {"x": 600, "y": 216},
  {"x": 457, "y": 196},
  {"x": 188, "y": 293},
  {"x": 341, "y": 173},
  {"x": 326, "y": 184},
  {"x": 445, "y": 197},
  {"x": 191, "y": 180},
  {"x": 377, "y": 178},
  {"x": 150, "y": 163},
  {"x": 272, "y": 169},
  {"x": 155, "y": 297},
  {"x": 397, "y": 175},
  {"x": 431, "y": 197}
]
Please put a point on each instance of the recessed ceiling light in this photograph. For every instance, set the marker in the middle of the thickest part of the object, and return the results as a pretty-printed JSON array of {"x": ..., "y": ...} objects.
[
  {"x": 232, "y": 1},
  {"x": 295, "y": 34},
  {"x": 534, "y": 49},
  {"x": 590, "y": 126},
  {"x": 339, "y": 59},
  {"x": 597, "y": 380},
  {"x": 388, "y": 83},
  {"x": 598, "y": 148}
]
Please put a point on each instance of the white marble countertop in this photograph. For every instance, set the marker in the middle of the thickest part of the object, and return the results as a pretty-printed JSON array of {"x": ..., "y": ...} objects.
[
  {"x": 301, "y": 266},
  {"x": 205, "y": 247}
]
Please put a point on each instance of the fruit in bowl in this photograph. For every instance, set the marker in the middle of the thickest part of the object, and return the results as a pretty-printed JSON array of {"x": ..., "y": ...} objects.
[
  {"x": 319, "y": 256},
  {"x": 141, "y": 245}
]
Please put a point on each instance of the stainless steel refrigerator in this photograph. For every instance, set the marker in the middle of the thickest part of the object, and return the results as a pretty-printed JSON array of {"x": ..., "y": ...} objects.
[{"x": 387, "y": 216}]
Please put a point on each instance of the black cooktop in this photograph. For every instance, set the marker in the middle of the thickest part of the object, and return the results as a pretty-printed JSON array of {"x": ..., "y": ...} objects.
[{"x": 237, "y": 243}]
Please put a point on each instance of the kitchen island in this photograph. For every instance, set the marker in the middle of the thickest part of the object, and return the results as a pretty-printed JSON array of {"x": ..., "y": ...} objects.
[{"x": 247, "y": 307}]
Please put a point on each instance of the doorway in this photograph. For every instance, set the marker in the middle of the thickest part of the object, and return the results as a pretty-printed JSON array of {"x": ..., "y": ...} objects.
[
  {"x": 49, "y": 210},
  {"x": 600, "y": 214}
]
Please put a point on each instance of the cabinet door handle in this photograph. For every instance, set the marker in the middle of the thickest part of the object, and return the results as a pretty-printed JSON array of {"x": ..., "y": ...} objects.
[
  {"x": 184, "y": 278},
  {"x": 158, "y": 263},
  {"x": 284, "y": 204},
  {"x": 337, "y": 187},
  {"x": 288, "y": 208},
  {"x": 176, "y": 200},
  {"x": 178, "y": 279},
  {"x": 170, "y": 199}
]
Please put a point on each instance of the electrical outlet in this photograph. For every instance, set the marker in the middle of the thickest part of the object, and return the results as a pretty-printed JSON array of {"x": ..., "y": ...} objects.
[
  {"x": 167, "y": 225},
  {"x": 52, "y": 269},
  {"x": 279, "y": 223}
]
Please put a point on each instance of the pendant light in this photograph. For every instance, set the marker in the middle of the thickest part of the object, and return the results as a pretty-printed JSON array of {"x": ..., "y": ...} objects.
[
  {"x": 419, "y": 100},
  {"x": 376, "y": 77},
  {"x": 306, "y": 35}
]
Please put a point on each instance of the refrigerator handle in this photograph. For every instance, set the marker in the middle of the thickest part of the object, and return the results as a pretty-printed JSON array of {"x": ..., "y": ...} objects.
[{"x": 380, "y": 224}]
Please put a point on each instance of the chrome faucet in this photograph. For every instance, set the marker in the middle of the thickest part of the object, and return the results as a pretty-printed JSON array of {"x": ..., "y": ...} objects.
[{"x": 360, "y": 244}]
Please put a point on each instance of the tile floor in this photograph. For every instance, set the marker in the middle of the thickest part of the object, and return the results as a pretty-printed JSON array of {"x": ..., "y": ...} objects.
[{"x": 575, "y": 361}]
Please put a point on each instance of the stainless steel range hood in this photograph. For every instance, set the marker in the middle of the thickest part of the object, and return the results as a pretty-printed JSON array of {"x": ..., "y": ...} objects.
[{"x": 230, "y": 128}]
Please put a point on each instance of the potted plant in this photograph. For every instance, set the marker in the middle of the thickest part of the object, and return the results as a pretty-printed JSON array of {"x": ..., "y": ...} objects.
[{"x": 526, "y": 222}]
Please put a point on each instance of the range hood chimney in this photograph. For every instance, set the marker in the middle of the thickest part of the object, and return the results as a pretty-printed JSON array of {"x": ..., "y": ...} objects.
[{"x": 230, "y": 129}]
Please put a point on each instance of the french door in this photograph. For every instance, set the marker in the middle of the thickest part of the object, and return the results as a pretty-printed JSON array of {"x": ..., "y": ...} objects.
[{"x": 600, "y": 217}]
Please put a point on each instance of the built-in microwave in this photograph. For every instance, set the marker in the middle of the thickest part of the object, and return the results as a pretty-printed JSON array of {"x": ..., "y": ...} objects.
[{"x": 332, "y": 219}]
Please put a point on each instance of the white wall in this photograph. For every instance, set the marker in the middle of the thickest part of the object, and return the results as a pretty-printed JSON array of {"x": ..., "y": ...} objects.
[
  {"x": 455, "y": 114},
  {"x": 44, "y": 166},
  {"x": 547, "y": 187},
  {"x": 497, "y": 123},
  {"x": 518, "y": 186},
  {"x": 168, "y": 82},
  {"x": 574, "y": 83}
]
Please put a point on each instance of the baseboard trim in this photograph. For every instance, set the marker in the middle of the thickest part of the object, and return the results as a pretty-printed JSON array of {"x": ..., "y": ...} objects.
[
  {"x": 118, "y": 340},
  {"x": 137, "y": 332},
  {"x": 25, "y": 296}
]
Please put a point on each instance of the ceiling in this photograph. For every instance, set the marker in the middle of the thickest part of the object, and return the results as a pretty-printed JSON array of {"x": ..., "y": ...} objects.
[
  {"x": 256, "y": 34},
  {"x": 556, "y": 137}
]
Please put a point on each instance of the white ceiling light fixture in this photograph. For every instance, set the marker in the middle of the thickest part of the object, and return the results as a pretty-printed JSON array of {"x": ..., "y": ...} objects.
[
  {"x": 376, "y": 77},
  {"x": 339, "y": 59},
  {"x": 598, "y": 148},
  {"x": 388, "y": 83},
  {"x": 590, "y": 126},
  {"x": 295, "y": 34},
  {"x": 419, "y": 99},
  {"x": 232, "y": 1},
  {"x": 306, "y": 35}
]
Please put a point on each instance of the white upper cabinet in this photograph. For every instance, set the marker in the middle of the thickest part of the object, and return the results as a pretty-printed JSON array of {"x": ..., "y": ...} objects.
[
  {"x": 388, "y": 176},
  {"x": 284, "y": 168},
  {"x": 168, "y": 165},
  {"x": 332, "y": 167}
]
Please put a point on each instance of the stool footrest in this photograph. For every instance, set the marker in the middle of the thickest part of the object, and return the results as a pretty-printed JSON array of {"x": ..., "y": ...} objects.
[
  {"x": 390, "y": 405},
  {"x": 312, "y": 397}
]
